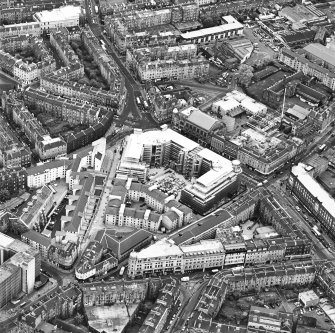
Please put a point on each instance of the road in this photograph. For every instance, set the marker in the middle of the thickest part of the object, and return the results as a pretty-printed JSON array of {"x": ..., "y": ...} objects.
[{"x": 187, "y": 309}]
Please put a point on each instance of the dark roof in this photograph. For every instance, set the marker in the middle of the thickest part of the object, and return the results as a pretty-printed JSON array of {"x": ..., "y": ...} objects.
[
  {"x": 37, "y": 237},
  {"x": 201, "y": 226},
  {"x": 120, "y": 243}
]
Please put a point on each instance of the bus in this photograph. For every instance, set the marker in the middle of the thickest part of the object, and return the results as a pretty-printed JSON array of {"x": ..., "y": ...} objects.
[
  {"x": 322, "y": 147},
  {"x": 145, "y": 104},
  {"x": 122, "y": 270},
  {"x": 96, "y": 9},
  {"x": 23, "y": 304},
  {"x": 316, "y": 231},
  {"x": 214, "y": 271},
  {"x": 138, "y": 101},
  {"x": 185, "y": 279}
]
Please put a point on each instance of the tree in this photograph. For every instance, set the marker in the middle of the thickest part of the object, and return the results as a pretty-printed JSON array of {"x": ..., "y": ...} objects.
[
  {"x": 78, "y": 319},
  {"x": 244, "y": 74},
  {"x": 4, "y": 195}
]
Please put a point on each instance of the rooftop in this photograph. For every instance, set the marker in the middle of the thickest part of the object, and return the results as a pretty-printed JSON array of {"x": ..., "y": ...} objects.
[
  {"x": 314, "y": 188},
  {"x": 322, "y": 52},
  {"x": 58, "y": 14},
  {"x": 231, "y": 24}
]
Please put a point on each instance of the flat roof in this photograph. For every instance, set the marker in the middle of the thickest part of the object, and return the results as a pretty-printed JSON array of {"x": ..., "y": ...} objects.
[
  {"x": 58, "y": 14},
  {"x": 161, "y": 248},
  {"x": 139, "y": 139},
  {"x": 231, "y": 25},
  {"x": 5, "y": 240}
]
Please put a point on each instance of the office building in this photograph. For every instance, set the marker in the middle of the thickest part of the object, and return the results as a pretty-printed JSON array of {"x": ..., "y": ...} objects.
[{"x": 20, "y": 265}]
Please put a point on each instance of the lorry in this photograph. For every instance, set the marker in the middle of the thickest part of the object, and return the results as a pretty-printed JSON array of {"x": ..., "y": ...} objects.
[{"x": 185, "y": 279}]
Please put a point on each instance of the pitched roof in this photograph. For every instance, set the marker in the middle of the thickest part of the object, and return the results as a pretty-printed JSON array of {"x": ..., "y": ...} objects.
[
  {"x": 37, "y": 237},
  {"x": 120, "y": 243},
  {"x": 202, "y": 120}
]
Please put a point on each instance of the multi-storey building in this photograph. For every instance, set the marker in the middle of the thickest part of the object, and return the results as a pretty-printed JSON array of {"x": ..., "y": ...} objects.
[
  {"x": 13, "y": 43},
  {"x": 91, "y": 263},
  {"x": 37, "y": 241},
  {"x": 14, "y": 180},
  {"x": 124, "y": 38},
  {"x": 20, "y": 265},
  {"x": 45, "y": 173},
  {"x": 119, "y": 292},
  {"x": 166, "y": 213},
  {"x": 301, "y": 63},
  {"x": 63, "y": 303},
  {"x": 75, "y": 112},
  {"x": 313, "y": 196},
  {"x": 82, "y": 203},
  {"x": 216, "y": 176},
  {"x": 59, "y": 39},
  {"x": 30, "y": 28},
  {"x": 66, "y": 16},
  {"x": 34, "y": 211},
  {"x": 230, "y": 28},
  {"x": 15, "y": 157},
  {"x": 63, "y": 250},
  {"x": 173, "y": 62},
  {"x": 156, "y": 319},
  {"x": 46, "y": 147},
  {"x": 108, "y": 69}
]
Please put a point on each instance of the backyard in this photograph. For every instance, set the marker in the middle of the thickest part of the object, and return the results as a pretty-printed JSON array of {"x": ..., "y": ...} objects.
[{"x": 93, "y": 75}]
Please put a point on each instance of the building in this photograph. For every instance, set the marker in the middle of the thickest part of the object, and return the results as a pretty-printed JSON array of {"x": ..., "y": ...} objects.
[
  {"x": 124, "y": 38},
  {"x": 20, "y": 265},
  {"x": 163, "y": 212},
  {"x": 93, "y": 263},
  {"x": 213, "y": 186},
  {"x": 172, "y": 62},
  {"x": 97, "y": 294},
  {"x": 120, "y": 244},
  {"x": 230, "y": 28},
  {"x": 167, "y": 298},
  {"x": 31, "y": 28},
  {"x": 270, "y": 320},
  {"x": 45, "y": 173},
  {"x": 216, "y": 176},
  {"x": 63, "y": 250},
  {"x": 321, "y": 54},
  {"x": 62, "y": 303},
  {"x": 311, "y": 194},
  {"x": 14, "y": 180},
  {"x": 301, "y": 63},
  {"x": 86, "y": 191},
  {"x": 309, "y": 298},
  {"x": 263, "y": 153},
  {"x": 66, "y": 16},
  {"x": 73, "y": 111},
  {"x": 32, "y": 214},
  {"x": 46, "y": 147},
  {"x": 305, "y": 14},
  {"x": 228, "y": 281},
  {"x": 37, "y": 241}
]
